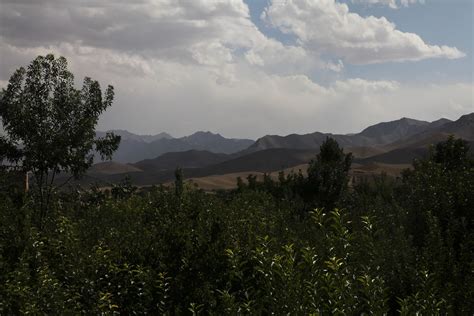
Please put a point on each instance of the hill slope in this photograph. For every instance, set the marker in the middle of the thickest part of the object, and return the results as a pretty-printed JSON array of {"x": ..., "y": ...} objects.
[
  {"x": 185, "y": 159},
  {"x": 462, "y": 128},
  {"x": 412, "y": 139},
  {"x": 379, "y": 134},
  {"x": 126, "y": 135},
  {"x": 134, "y": 148}
]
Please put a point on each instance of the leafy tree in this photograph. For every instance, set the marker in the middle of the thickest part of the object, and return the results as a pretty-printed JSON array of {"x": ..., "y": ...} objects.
[
  {"x": 50, "y": 125},
  {"x": 252, "y": 181},
  {"x": 240, "y": 184},
  {"x": 442, "y": 185},
  {"x": 178, "y": 182},
  {"x": 438, "y": 194},
  {"x": 328, "y": 175},
  {"x": 452, "y": 154}
]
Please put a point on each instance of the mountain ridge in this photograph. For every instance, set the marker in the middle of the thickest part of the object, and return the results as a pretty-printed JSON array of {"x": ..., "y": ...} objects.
[
  {"x": 134, "y": 148},
  {"x": 200, "y": 163},
  {"x": 375, "y": 135}
]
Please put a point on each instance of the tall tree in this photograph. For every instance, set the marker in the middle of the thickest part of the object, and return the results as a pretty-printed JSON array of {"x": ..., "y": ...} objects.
[
  {"x": 442, "y": 185},
  {"x": 50, "y": 125},
  {"x": 437, "y": 195},
  {"x": 328, "y": 175}
]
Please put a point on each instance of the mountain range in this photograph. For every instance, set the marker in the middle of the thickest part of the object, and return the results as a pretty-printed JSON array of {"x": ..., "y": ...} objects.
[
  {"x": 206, "y": 157},
  {"x": 134, "y": 148},
  {"x": 376, "y": 135}
]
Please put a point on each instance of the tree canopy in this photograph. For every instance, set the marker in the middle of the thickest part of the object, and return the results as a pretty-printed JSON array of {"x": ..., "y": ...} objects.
[
  {"x": 50, "y": 125},
  {"x": 328, "y": 174}
]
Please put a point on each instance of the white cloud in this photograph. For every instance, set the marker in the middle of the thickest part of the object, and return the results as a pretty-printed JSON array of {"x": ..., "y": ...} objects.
[
  {"x": 390, "y": 3},
  {"x": 182, "y": 98},
  {"x": 206, "y": 32},
  {"x": 327, "y": 26},
  {"x": 394, "y": 4},
  {"x": 181, "y": 66},
  {"x": 409, "y": 2},
  {"x": 361, "y": 86}
]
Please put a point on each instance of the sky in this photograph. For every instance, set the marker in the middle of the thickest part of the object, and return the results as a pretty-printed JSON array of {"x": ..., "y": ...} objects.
[{"x": 248, "y": 68}]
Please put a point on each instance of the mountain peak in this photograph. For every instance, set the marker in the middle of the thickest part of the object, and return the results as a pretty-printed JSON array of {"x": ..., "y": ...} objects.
[
  {"x": 440, "y": 122},
  {"x": 467, "y": 118},
  {"x": 126, "y": 135},
  {"x": 204, "y": 133},
  {"x": 410, "y": 121},
  {"x": 203, "y": 136},
  {"x": 390, "y": 131}
]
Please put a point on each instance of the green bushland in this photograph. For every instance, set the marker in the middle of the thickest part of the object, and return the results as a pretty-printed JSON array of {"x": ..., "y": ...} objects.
[{"x": 298, "y": 246}]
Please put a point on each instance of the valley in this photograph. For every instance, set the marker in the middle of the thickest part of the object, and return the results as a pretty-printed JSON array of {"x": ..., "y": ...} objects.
[{"x": 213, "y": 162}]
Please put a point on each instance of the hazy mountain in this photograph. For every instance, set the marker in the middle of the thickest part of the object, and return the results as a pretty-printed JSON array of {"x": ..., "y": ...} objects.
[
  {"x": 406, "y": 149},
  {"x": 378, "y": 134},
  {"x": 388, "y": 132},
  {"x": 462, "y": 128},
  {"x": 216, "y": 143},
  {"x": 307, "y": 141},
  {"x": 262, "y": 161},
  {"x": 440, "y": 122},
  {"x": 404, "y": 155},
  {"x": 185, "y": 159},
  {"x": 126, "y": 135},
  {"x": 412, "y": 140},
  {"x": 112, "y": 167},
  {"x": 134, "y": 148}
]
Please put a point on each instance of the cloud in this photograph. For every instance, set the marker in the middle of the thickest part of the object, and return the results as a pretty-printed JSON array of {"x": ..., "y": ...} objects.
[
  {"x": 394, "y": 4},
  {"x": 244, "y": 101},
  {"x": 329, "y": 27},
  {"x": 406, "y": 3},
  {"x": 181, "y": 66},
  {"x": 206, "y": 32},
  {"x": 390, "y": 3}
]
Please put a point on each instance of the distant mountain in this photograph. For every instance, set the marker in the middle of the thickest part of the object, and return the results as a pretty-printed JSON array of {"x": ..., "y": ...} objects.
[
  {"x": 307, "y": 141},
  {"x": 379, "y": 134},
  {"x": 262, "y": 161},
  {"x": 375, "y": 139},
  {"x": 134, "y": 148},
  {"x": 439, "y": 122},
  {"x": 184, "y": 159},
  {"x": 111, "y": 168},
  {"x": 216, "y": 143},
  {"x": 372, "y": 148},
  {"x": 126, "y": 135},
  {"x": 406, "y": 149},
  {"x": 388, "y": 132},
  {"x": 404, "y": 155},
  {"x": 462, "y": 128}
]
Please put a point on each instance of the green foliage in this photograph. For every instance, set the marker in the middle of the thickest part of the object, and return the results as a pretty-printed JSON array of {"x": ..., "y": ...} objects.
[
  {"x": 50, "y": 125},
  {"x": 179, "y": 182},
  {"x": 254, "y": 251},
  {"x": 438, "y": 195},
  {"x": 328, "y": 175}
]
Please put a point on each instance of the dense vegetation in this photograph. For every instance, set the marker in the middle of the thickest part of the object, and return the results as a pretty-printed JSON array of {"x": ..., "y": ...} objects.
[{"x": 300, "y": 245}]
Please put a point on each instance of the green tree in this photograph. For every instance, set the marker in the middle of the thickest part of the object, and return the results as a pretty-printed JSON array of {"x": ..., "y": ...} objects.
[
  {"x": 438, "y": 194},
  {"x": 179, "y": 182},
  {"x": 240, "y": 184},
  {"x": 452, "y": 154},
  {"x": 442, "y": 185},
  {"x": 328, "y": 175},
  {"x": 50, "y": 125}
]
